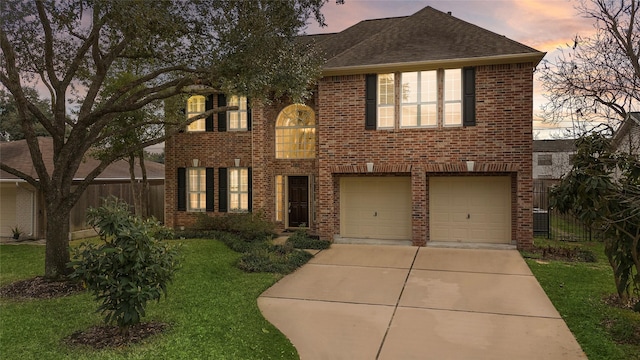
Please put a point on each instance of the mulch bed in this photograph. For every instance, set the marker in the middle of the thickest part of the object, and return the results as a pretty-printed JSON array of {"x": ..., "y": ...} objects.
[
  {"x": 563, "y": 253},
  {"x": 40, "y": 288},
  {"x": 97, "y": 337},
  {"x": 104, "y": 336}
]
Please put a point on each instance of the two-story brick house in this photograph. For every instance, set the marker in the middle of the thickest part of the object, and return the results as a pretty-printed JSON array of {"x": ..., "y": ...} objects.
[{"x": 420, "y": 130}]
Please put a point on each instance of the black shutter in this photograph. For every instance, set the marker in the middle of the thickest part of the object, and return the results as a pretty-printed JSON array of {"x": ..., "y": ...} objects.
[
  {"x": 208, "y": 121},
  {"x": 371, "y": 103},
  {"x": 250, "y": 190},
  {"x": 222, "y": 116},
  {"x": 469, "y": 99},
  {"x": 222, "y": 190},
  {"x": 182, "y": 189},
  {"x": 209, "y": 177},
  {"x": 248, "y": 114}
]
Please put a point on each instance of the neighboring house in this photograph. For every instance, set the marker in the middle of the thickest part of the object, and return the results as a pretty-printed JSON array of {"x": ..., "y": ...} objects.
[
  {"x": 419, "y": 131},
  {"x": 552, "y": 158},
  {"x": 22, "y": 205},
  {"x": 627, "y": 137}
]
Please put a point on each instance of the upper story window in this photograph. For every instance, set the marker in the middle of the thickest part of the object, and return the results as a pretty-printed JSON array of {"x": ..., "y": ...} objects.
[
  {"x": 386, "y": 101},
  {"x": 237, "y": 119},
  {"x": 452, "y": 97},
  {"x": 545, "y": 159},
  {"x": 418, "y": 99},
  {"x": 196, "y": 106},
  {"x": 296, "y": 133},
  {"x": 196, "y": 189}
]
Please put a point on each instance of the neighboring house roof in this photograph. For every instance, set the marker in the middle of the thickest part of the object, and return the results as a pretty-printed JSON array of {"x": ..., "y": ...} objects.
[
  {"x": 426, "y": 39},
  {"x": 567, "y": 145},
  {"x": 16, "y": 154},
  {"x": 632, "y": 120}
]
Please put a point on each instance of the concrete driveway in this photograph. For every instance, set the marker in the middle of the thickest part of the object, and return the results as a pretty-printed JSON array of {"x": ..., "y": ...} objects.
[{"x": 403, "y": 302}]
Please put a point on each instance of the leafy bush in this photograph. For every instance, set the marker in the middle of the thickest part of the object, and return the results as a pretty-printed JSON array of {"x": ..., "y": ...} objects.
[
  {"x": 130, "y": 268},
  {"x": 249, "y": 226},
  {"x": 302, "y": 240},
  {"x": 281, "y": 259}
]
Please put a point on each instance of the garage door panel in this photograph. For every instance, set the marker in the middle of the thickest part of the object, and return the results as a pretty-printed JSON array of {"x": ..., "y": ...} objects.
[
  {"x": 375, "y": 207},
  {"x": 472, "y": 208}
]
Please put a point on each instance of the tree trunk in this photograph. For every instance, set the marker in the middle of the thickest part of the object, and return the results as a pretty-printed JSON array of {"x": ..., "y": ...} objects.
[{"x": 57, "y": 245}]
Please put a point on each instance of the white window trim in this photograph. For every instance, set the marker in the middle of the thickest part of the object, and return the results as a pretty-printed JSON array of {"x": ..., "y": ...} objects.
[
  {"x": 445, "y": 101},
  {"x": 281, "y": 154},
  {"x": 241, "y": 100},
  {"x": 418, "y": 103},
  {"x": 231, "y": 193},
  {"x": 386, "y": 106},
  {"x": 441, "y": 102},
  {"x": 189, "y": 115},
  {"x": 202, "y": 179}
]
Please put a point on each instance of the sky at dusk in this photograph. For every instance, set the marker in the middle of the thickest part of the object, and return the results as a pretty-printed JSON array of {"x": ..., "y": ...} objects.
[{"x": 544, "y": 25}]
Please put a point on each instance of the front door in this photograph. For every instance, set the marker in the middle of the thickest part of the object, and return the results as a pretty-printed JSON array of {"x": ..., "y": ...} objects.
[{"x": 298, "y": 201}]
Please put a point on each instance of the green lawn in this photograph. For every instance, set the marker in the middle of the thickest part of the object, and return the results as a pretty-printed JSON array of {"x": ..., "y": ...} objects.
[
  {"x": 211, "y": 309},
  {"x": 577, "y": 289}
]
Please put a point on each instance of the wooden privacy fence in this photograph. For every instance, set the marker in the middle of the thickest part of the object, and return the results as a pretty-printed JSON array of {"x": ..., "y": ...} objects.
[{"x": 92, "y": 197}]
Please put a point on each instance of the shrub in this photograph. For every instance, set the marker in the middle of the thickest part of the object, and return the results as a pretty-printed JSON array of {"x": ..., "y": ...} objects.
[
  {"x": 249, "y": 226},
  {"x": 130, "y": 268},
  {"x": 302, "y": 240},
  {"x": 281, "y": 259}
]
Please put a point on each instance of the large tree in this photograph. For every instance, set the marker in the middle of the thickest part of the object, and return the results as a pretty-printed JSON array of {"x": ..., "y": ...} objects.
[
  {"x": 72, "y": 48},
  {"x": 597, "y": 77}
]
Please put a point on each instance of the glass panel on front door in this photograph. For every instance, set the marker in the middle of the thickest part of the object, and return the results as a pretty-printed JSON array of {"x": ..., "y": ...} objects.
[{"x": 298, "y": 201}]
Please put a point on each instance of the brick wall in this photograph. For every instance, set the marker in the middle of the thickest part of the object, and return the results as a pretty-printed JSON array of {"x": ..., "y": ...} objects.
[{"x": 499, "y": 144}]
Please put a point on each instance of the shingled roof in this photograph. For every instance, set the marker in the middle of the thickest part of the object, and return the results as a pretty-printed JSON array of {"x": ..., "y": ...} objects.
[
  {"x": 426, "y": 39},
  {"x": 16, "y": 155},
  {"x": 560, "y": 145}
]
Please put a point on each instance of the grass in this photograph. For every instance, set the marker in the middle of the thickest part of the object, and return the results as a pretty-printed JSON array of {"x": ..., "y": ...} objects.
[
  {"x": 211, "y": 308},
  {"x": 577, "y": 290}
]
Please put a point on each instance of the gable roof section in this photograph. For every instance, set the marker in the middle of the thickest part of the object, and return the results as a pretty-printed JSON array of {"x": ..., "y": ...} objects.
[
  {"x": 426, "y": 39},
  {"x": 16, "y": 154},
  {"x": 632, "y": 120},
  {"x": 565, "y": 145}
]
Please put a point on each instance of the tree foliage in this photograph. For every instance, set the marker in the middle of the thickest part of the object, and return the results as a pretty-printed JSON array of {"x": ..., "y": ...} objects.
[
  {"x": 78, "y": 49},
  {"x": 603, "y": 190},
  {"x": 129, "y": 269},
  {"x": 598, "y": 76},
  {"x": 10, "y": 124}
]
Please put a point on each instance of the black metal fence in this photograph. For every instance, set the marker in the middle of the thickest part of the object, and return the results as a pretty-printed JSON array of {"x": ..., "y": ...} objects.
[{"x": 549, "y": 223}]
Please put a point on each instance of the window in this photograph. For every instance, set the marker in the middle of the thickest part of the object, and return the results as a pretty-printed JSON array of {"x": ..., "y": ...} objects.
[
  {"x": 238, "y": 189},
  {"x": 452, "y": 97},
  {"x": 419, "y": 101},
  {"x": 386, "y": 101},
  {"x": 426, "y": 99},
  {"x": 237, "y": 119},
  {"x": 196, "y": 106},
  {"x": 196, "y": 189},
  {"x": 545, "y": 159},
  {"x": 279, "y": 198},
  {"x": 296, "y": 133}
]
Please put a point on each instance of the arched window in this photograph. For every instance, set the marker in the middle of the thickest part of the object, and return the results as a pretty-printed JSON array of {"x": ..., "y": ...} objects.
[
  {"x": 296, "y": 133},
  {"x": 196, "y": 106}
]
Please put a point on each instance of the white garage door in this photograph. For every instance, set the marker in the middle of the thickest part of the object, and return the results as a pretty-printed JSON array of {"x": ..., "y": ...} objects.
[
  {"x": 470, "y": 209},
  {"x": 7, "y": 208},
  {"x": 375, "y": 208}
]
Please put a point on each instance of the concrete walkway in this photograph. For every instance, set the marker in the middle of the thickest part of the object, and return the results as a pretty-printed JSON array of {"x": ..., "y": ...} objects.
[{"x": 402, "y": 302}]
